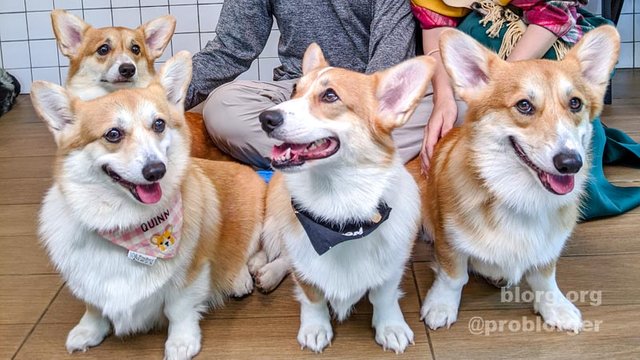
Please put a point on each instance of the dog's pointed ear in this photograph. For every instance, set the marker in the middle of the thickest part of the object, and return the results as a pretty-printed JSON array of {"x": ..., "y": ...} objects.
[
  {"x": 401, "y": 87},
  {"x": 466, "y": 61},
  {"x": 69, "y": 31},
  {"x": 597, "y": 53},
  {"x": 313, "y": 59},
  {"x": 52, "y": 103},
  {"x": 157, "y": 33},
  {"x": 175, "y": 77}
]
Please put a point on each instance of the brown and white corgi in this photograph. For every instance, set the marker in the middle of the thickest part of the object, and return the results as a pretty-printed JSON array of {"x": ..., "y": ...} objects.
[
  {"x": 504, "y": 189},
  {"x": 343, "y": 207},
  {"x": 111, "y": 58},
  {"x": 141, "y": 232}
]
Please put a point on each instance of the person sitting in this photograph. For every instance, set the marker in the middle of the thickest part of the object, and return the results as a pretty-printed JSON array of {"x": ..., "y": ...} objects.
[{"x": 364, "y": 36}]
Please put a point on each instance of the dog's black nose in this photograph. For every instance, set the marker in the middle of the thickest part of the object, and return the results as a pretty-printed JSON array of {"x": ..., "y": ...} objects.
[
  {"x": 127, "y": 70},
  {"x": 270, "y": 120},
  {"x": 567, "y": 162},
  {"x": 154, "y": 171}
]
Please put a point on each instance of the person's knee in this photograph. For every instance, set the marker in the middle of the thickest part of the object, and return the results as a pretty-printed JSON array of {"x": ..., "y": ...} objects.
[{"x": 223, "y": 109}]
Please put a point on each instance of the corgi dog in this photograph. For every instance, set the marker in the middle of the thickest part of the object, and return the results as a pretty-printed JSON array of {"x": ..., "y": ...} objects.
[
  {"x": 504, "y": 190},
  {"x": 124, "y": 182},
  {"x": 335, "y": 203},
  {"x": 111, "y": 58},
  {"x": 107, "y": 59}
]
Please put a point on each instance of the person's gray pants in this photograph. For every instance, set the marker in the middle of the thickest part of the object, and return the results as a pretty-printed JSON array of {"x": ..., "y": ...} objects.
[{"x": 231, "y": 117}]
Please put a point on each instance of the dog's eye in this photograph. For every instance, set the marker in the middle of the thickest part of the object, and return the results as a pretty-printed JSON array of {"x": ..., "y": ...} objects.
[
  {"x": 158, "y": 125},
  {"x": 135, "y": 49},
  {"x": 330, "y": 96},
  {"x": 525, "y": 107},
  {"x": 575, "y": 104},
  {"x": 103, "y": 49},
  {"x": 113, "y": 135}
]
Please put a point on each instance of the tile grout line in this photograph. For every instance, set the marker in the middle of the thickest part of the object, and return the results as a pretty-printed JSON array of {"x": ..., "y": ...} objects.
[
  {"x": 415, "y": 284},
  {"x": 26, "y": 20},
  {"x": 33, "y": 328}
]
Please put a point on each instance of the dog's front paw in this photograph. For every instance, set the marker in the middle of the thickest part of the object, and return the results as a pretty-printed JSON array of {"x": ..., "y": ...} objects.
[
  {"x": 180, "y": 347},
  {"x": 270, "y": 275},
  {"x": 560, "y": 313},
  {"x": 437, "y": 314},
  {"x": 257, "y": 261},
  {"x": 394, "y": 336},
  {"x": 243, "y": 284},
  {"x": 315, "y": 337},
  {"x": 84, "y": 335}
]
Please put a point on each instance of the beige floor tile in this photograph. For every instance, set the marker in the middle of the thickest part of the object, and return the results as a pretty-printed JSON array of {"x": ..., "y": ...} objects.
[
  {"x": 12, "y": 336},
  {"x": 23, "y": 255},
  {"x": 24, "y": 298},
  {"x": 524, "y": 336}
]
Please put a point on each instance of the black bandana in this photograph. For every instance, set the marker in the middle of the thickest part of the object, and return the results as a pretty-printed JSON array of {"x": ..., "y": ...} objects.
[{"x": 324, "y": 234}]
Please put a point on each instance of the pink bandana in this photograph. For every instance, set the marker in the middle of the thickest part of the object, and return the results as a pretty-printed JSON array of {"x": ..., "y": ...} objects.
[{"x": 157, "y": 237}]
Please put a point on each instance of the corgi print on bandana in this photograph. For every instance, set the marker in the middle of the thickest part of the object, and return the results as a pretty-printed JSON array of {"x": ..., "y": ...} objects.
[
  {"x": 164, "y": 240},
  {"x": 157, "y": 237}
]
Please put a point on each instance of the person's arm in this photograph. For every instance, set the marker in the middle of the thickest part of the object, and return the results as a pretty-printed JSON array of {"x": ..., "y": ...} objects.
[
  {"x": 534, "y": 43},
  {"x": 241, "y": 34},
  {"x": 445, "y": 109},
  {"x": 392, "y": 37},
  {"x": 547, "y": 21}
]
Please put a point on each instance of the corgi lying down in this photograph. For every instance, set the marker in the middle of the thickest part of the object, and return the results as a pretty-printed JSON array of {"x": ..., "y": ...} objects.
[{"x": 111, "y": 58}]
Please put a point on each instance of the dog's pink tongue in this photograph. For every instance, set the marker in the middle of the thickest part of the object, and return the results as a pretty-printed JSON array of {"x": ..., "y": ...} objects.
[
  {"x": 149, "y": 194},
  {"x": 561, "y": 184}
]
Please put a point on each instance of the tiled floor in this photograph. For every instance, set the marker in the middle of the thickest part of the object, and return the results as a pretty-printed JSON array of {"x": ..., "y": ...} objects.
[{"x": 602, "y": 260}]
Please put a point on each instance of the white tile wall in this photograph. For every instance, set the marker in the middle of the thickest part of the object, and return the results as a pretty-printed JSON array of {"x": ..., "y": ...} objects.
[
  {"x": 13, "y": 26},
  {"x": 11, "y": 5},
  {"x": 39, "y": 5},
  {"x": 39, "y": 25},
  {"x": 27, "y": 46}
]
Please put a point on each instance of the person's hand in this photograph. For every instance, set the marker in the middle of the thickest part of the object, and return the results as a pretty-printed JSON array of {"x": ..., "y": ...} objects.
[{"x": 443, "y": 116}]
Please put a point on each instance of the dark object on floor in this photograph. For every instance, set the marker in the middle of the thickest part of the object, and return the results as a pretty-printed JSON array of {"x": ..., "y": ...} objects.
[
  {"x": 9, "y": 91},
  {"x": 611, "y": 10}
]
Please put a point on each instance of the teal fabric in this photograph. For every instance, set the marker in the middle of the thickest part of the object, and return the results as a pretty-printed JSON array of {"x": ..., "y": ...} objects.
[{"x": 609, "y": 146}]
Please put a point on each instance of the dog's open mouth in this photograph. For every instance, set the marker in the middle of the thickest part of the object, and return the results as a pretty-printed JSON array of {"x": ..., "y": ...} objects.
[
  {"x": 557, "y": 184},
  {"x": 117, "y": 81},
  {"x": 145, "y": 193},
  {"x": 289, "y": 155}
]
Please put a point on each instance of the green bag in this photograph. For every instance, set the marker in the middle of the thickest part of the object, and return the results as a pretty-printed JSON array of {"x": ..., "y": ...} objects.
[{"x": 609, "y": 146}]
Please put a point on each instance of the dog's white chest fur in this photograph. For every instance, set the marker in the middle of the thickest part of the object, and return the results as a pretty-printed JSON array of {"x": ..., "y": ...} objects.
[
  {"x": 515, "y": 245},
  {"x": 99, "y": 272},
  {"x": 348, "y": 270}
]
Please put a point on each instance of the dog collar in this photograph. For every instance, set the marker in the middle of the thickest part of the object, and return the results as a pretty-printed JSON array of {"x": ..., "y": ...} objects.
[
  {"x": 325, "y": 234},
  {"x": 156, "y": 237}
]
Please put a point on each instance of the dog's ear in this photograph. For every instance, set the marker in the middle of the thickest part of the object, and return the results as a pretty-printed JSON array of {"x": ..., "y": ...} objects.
[
  {"x": 53, "y": 105},
  {"x": 175, "y": 77},
  {"x": 69, "y": 30},
  {"x": 466, "y": 61},
  {"x": 313, "y": 59},
  {"x": 157, "y": 33},
  {"x": 597, "y": 53},
  {"x": 401, "y": 87}
]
